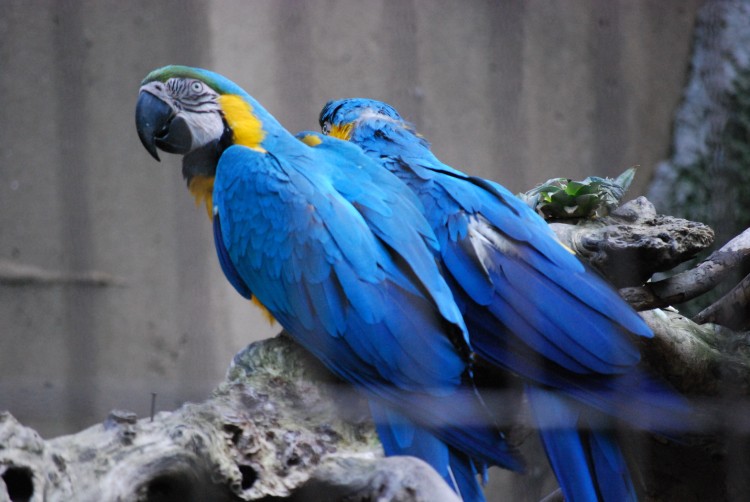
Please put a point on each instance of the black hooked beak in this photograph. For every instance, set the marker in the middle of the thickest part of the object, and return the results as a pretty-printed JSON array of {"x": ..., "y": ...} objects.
[{"x": 159, "y": 127}]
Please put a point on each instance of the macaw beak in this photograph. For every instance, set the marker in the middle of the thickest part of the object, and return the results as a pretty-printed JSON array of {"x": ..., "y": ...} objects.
[{"x": 160, "y": 127}]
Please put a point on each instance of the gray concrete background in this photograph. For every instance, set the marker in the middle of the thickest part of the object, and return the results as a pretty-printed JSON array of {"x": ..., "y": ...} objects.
[{"x": 516, "y": 91}]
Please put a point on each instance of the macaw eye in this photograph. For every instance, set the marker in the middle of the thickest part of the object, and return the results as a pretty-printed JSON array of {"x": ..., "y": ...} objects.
[
  {"x": 196, "y": 86},
  {"x": 326, "y": 127}
]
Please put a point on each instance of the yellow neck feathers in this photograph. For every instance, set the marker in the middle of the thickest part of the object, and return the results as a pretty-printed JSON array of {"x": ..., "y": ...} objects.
[
  {"x": 248, "y": 131},
  {"x": 341, "y": 131},
  {"x": 247, "y": 128}
]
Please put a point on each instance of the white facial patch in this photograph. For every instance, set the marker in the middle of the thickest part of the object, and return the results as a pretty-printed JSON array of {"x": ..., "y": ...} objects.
[{"x": 205, "y": 127}]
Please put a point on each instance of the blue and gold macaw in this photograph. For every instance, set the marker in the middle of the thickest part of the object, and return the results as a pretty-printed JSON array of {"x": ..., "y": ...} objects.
[
  {"x": 530, "y": 305},
  {"x": 337, "y": 250}
]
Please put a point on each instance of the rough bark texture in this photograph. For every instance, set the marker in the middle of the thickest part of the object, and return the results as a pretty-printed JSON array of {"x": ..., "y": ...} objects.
[
  {"x": 633, "y": 242},
  {"x": 693, "y": 282},
  {"x": 698, "y": 359},
  {"x": 732, "y": 310},
  {"x": 278, "y": 426}
]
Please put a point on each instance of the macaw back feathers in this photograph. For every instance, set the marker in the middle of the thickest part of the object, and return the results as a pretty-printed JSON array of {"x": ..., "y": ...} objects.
[{"x": 324, "y": 252}]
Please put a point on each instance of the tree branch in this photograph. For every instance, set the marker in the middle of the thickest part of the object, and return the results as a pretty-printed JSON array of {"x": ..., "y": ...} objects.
[
  {"x": 694, "y": 282},
  {"x": 731, "y": 310}
]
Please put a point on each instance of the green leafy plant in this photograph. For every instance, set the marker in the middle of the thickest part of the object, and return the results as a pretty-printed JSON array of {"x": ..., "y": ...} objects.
[{"x": 591, "y": 198}]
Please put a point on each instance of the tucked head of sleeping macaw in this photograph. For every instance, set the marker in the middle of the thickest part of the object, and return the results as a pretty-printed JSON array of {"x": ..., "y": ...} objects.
[
  {"x": 373, "y": 125},
  {"x": 199, "y": 114},
  {"x": 338, "y": 117}
]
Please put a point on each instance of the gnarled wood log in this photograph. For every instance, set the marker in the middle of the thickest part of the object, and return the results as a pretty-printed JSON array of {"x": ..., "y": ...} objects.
[
  {"x": 633, "y": 242},
  {"x": 278, "y": 426}
]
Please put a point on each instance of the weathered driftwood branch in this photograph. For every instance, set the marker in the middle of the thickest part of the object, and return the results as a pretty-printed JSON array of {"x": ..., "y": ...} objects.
[
  {"x": 693, "y": 282},
  {"x": 633, "y": 242},
  {"x": 276, "y": 427},
  {"x": 731, "y": 310}
]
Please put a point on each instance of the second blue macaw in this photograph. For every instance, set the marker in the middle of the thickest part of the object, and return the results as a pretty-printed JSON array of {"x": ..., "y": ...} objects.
[
  {"x": 338, "y": 251},
  {"x": 530, "y": 305}
]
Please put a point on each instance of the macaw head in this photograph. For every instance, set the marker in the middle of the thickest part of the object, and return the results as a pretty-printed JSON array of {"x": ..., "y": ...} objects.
[
  {"x": 198, "y": 114},
  {"x": 338, "y": 118},
  {"x": 178, "y": 110}
]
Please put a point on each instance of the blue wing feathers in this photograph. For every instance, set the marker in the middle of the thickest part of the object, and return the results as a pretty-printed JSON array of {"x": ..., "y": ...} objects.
[
  {"x": 369, "y": 306},
  {"x": 345, "y": 283},
  {"x": 463, "y": 263},
  {"x": 464, "y": 474},
  {"x": 397, "y": 433},
  {"x": 535, "y": 252},
  {"x": 567, "y": 323},
  {"x": 226, "y": 263}
]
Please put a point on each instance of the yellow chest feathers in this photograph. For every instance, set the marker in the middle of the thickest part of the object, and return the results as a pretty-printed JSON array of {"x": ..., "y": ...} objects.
[{"x": 202, "y": 188}]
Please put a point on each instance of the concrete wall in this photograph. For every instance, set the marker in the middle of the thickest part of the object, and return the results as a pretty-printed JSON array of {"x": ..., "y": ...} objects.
[{"x": 516, "y": 91}]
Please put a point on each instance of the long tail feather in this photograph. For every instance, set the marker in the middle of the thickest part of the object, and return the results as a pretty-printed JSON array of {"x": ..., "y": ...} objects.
[
  {"x": 400, "y": 436},
  {"x": 588, "y": 463}
]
